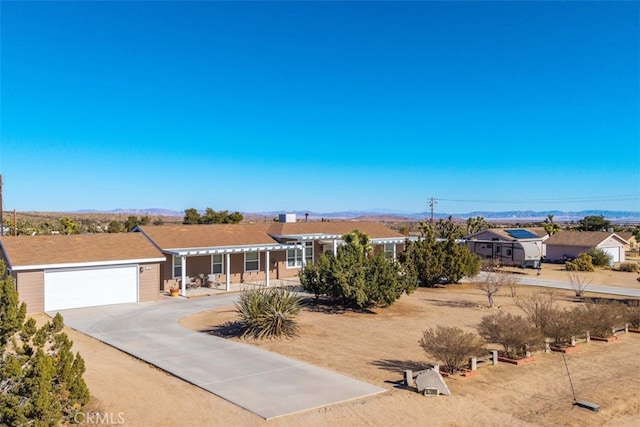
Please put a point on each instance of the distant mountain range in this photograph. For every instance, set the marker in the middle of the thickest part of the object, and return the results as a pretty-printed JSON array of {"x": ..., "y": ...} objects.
[{"x": 390, "y": 215}]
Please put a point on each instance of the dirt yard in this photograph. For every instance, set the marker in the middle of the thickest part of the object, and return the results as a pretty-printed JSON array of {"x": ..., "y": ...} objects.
[{"x": 377, "y": 347}]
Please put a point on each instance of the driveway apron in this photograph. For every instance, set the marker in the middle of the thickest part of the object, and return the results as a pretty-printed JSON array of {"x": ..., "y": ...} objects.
[{"x": 262, "y": 382}]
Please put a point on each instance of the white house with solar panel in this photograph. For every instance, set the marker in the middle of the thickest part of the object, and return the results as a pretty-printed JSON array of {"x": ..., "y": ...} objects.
[{"x": 518, "y": 247}]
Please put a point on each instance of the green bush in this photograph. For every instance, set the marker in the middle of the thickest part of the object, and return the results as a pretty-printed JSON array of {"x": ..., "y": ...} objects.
[
  {"x": 600, "y": 258},
  {"x": 41, "y": 380},
  {"x": 269, "y": 312},
  {"x": 584, "y": 262},
  {"x": 629, "y": 267},
  {"x": 356, "y": 277}
]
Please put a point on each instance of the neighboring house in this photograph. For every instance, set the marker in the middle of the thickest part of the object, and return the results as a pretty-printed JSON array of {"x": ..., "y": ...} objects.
[
  {"x": 570, "y": 244},
  {"x": 70, "y": 271},
  {"x": 260, "y": 252},
  {"x": 632, "y": 242},
  {"x": 522, "y": 247}
]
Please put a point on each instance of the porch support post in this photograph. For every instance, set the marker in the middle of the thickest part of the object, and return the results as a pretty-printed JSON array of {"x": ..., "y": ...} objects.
[
  {"x": 227, "y": 285},
  {"x": 335, "y": 247},
  {"x": 304, "y": 253},
  {"x": 395, "y": 248},
  {"x": 183, "y": 282},
  {"x": 267, "y": 267}
]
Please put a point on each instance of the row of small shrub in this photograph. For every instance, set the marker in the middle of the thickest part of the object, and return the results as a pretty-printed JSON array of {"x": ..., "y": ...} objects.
[{"x": 519, "y": 334}]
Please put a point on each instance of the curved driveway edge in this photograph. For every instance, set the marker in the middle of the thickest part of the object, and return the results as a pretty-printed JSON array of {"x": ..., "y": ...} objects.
[{"x": 264, "y": 383}]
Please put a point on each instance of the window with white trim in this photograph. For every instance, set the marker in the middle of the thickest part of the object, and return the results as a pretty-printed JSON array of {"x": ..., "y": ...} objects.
[
  {"x": 177, "y": 266},
  {"x": 308, "y": 254},
  {"x": 217, "y": 264},
  {"x": 252, "y": 261},
  {"x": 388, "y": 250},
  {"x": 294, "y": 256}
]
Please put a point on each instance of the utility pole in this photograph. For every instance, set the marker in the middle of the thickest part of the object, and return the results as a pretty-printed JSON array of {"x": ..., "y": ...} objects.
[{"x": 432, "y": 203}]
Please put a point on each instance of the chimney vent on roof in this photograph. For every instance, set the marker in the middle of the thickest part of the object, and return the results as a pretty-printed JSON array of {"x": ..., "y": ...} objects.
[{"x": 287, "y": 218}]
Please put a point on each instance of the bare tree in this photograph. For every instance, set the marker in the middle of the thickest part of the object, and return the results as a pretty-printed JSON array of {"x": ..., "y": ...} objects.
[
  {"x": 578, "y": 283},
  {"x": 491, "y": 283}
]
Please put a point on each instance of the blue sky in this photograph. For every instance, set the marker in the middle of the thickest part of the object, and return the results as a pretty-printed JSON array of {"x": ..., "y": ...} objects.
[{"x": 320, "y": 106}]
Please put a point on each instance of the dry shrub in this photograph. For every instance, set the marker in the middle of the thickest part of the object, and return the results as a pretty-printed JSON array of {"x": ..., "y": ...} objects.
[
  {"x": 451, "y": 346},
  {"x": 600, "y": 318},
  {"x": 633, "y": 314},
  {"x": 578, "y": 283},
  {"x": 515, "y": 333},
  {"x": 629, "y": 267},
  {"x": 490, "y": 265},
  {"x": 561, "y": 325},
  {"x": 537, "y": 307}
]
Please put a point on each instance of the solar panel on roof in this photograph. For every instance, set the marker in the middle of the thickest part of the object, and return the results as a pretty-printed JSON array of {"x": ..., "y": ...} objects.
[{"x": 521, "y": 234}]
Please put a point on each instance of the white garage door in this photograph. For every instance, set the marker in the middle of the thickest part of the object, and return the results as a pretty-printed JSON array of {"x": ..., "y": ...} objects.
[
  {"x": 614, "y": 252},
  {"x": 87, "y": 287}
]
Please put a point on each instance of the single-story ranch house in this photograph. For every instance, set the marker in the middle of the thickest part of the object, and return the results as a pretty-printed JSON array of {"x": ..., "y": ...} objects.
[
  {"x": 259, "y": 252},
  {"x": 80, "y": 270},
  {"x": 570, "y": 244},
  {"x": 56, "y": 272}
]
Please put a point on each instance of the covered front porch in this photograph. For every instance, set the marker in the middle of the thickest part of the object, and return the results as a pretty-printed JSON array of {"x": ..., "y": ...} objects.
[
  {"x": 292, "y": 283},
  {"x": 224, "y": 266}
]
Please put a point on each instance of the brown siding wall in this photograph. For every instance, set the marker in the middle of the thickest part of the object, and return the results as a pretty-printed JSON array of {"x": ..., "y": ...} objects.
[
  {"x": 166, "y": 279},
  {"x": 198, "y": 264},
  {"x": 31, "y": 290},
  {"x": 149, "y": 282}
]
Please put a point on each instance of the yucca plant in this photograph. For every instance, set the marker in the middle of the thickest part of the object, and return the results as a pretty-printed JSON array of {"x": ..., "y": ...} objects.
[{"x": 269, "y": 312}]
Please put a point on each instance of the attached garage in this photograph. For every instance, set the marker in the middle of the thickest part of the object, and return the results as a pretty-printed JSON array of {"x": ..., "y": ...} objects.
[
  {"x": 60, "y": 272},
  {"x": 87, "y": 287}
]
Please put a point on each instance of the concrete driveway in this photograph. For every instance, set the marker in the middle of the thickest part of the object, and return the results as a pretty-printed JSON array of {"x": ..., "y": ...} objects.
[{"x": 264, "y": 383}]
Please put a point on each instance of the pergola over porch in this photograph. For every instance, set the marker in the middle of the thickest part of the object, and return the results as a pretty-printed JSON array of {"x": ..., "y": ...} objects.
[
  {"x": 336, "y": 240},
  {"x": 227, "y": 251}
]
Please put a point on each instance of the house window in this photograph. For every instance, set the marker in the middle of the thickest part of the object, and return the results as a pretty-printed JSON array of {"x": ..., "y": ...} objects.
[
  {"x": 508, "y": 252},
  {"x": 294, "y": 256},
  {"x": 252, "y": 261},
  {"x": 308, "y": 252},
  {"x": 388, "y": 250},
  {"x": 177, "y": 266},
  {"x": 217, "y": 266}
]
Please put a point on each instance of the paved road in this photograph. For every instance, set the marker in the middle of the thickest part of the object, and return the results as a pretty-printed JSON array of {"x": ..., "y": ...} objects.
[
  {"x": 612, "y": 290},
  {"x": 264, "y": 383}
]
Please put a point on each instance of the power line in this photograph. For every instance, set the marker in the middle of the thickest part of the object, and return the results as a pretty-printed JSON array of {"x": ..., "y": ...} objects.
[{"x": 553, "y": 200}]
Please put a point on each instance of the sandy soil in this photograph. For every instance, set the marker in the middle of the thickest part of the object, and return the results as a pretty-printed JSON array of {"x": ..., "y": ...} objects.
[{"x": 377, "y": 347}]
